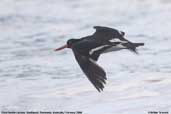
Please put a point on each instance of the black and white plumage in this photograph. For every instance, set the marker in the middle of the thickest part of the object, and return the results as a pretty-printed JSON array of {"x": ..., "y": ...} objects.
[{"x": 88, "y": 49}]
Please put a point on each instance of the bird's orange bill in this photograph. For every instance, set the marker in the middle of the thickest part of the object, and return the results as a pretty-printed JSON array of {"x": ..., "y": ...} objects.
[{"x": 60, "y": 48}]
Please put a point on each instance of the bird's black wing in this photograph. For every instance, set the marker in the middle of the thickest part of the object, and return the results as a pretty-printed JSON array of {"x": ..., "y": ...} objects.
[
  {"x": 93, "y": 71},
  {"x": 105, "y": 34}
]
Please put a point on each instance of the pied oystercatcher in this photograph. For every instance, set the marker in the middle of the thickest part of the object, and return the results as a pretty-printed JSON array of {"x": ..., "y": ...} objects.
[{"x": 88, "y": 49}]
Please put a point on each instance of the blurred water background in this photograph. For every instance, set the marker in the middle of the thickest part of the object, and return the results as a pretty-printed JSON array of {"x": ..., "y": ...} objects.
[{"x": 34, "y": 77}]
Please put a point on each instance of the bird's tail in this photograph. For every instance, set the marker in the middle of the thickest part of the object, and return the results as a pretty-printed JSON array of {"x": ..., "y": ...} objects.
[
  {"x": 132, "y": 46},
  {"x": 138, "y": 44}
]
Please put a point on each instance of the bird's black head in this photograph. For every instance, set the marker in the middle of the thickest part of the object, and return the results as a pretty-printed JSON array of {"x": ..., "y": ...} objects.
[{"x": 69, "y": 44}]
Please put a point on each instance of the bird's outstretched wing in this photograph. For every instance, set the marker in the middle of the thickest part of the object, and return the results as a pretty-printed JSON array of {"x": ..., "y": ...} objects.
[
  {"x": 105, "y": 34},
  {"x": 93, "y": 71}
]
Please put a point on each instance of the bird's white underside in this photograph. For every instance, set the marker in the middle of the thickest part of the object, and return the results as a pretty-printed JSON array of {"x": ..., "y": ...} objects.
[
  {"x": 113, "y": 48},
  {"x": 97, "y": 48},
  {"x": 117, "y": 40}
]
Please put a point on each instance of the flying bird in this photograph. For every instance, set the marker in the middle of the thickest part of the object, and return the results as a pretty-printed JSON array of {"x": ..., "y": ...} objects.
[{"x": 88, "y": 49}]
